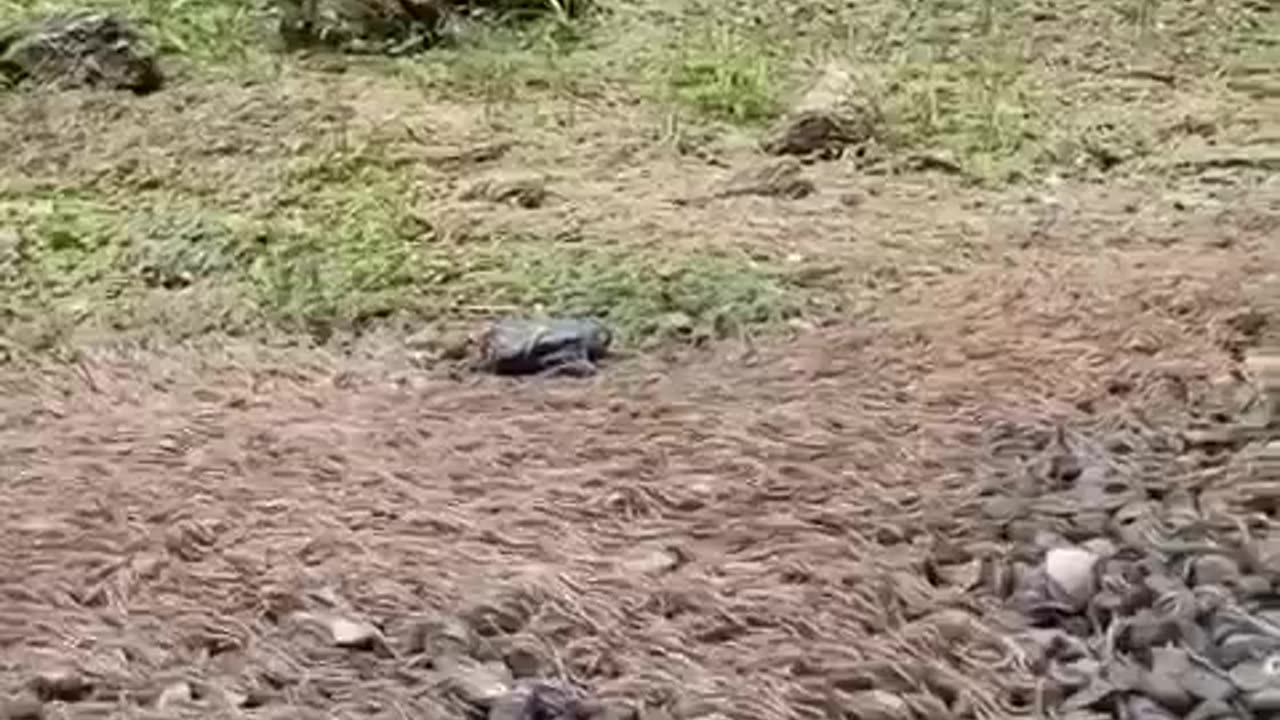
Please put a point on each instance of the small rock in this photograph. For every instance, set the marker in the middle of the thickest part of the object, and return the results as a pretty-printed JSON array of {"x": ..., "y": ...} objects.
[
  {"x": 650, "y": 561},
  {"x": 1070, "y": 569},
  {"x": 537, "y": 700},
  {"x": 524, "y": 661},
  {"x": 1143, "y": 708},
  {"x": 1101, "y": 547},
  {"x": 86, "y": 48},
  {"x": 877, "y": 705},
  {"x": 354, "y": 634},
  {"x": 62, "y": 684},
  {"x": 441, "y": 637},
  {"x": 479, "y": 684},
  {"x": 1214, "y": 569},
  {"x": 174, "y": 693}
]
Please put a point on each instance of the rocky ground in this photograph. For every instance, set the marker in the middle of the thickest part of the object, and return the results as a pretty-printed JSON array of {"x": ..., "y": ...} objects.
[{"x": 881, "y": 439}]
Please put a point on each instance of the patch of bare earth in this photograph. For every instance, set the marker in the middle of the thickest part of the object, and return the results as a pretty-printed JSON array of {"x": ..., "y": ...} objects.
[{"x": 781, "y": 532}]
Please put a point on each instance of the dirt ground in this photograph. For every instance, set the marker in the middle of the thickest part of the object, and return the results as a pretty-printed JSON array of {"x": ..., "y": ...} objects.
[
  {"x": 842, "y": 518},
  {"x": 788, "y": 530}
]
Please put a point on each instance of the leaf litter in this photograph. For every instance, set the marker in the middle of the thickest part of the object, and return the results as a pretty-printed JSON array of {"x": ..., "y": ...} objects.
[{"x": 888, "y": 522}]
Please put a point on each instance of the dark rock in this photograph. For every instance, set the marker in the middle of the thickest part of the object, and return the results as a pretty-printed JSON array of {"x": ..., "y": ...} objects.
[
  {"x": 86, "y": 48},
  {"x": 62, "y": 684},
  {"x": 538, "y": 700},
  {"x": 525, "y": 347}
]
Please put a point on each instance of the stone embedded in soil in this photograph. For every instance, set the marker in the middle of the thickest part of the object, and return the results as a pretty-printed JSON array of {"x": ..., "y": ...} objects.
[
  {"x": 477, "y": 683},
  {"x": 1071, "y": 571},
  {"x": 539, "y": 700},
  {"x": 64, "y": 684},
  {"x": 82, "y": 48},
  {"x": 174, "y": 694},
  {"x": 649, "y": 561},
  {"x": 524, "y": 660},
  {"x": 354, "y": 634},
  {"x": 1143, "y": 708},
  {"x": 441, "y": 637}
]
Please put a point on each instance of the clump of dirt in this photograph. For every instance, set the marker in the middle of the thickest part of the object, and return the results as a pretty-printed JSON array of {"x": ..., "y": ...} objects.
[{"x": 83, "y": 48}]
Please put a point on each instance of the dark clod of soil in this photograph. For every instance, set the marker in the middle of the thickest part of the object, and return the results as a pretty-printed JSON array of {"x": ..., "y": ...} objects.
[
  {"x": 529, "y": 347},
  {"x": 85, "y": 48}
]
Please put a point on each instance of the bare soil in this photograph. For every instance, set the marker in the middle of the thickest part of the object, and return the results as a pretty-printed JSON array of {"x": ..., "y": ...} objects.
[{"x": 754, "y": 532}]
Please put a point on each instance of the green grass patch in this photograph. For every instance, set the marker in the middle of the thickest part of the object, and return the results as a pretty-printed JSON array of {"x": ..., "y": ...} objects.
[
  {"x": 725, "y": 76},
  {"x": 340, "y": 267}
]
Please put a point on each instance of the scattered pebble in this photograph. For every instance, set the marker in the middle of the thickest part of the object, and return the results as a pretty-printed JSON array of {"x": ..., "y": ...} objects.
[{"x": 1071, "y": 570}]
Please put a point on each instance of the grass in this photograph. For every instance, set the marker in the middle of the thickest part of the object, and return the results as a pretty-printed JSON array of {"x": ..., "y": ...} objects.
[
  {"x": 1012, "y": 91},
  {"x": 342, "y": 266}
]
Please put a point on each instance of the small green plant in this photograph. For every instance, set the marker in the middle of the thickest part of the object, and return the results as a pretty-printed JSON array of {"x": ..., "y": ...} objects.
[{"x": 727, "y": 78}]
